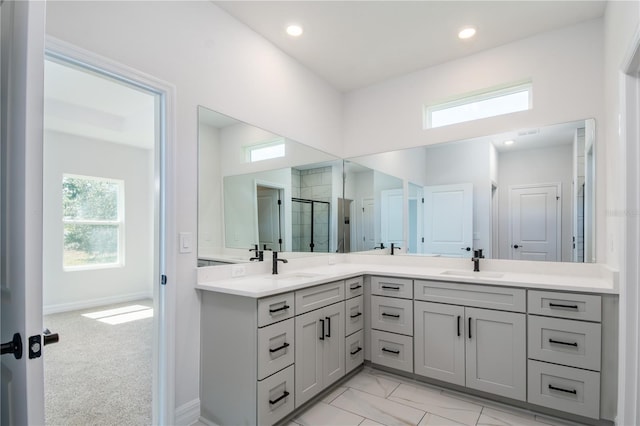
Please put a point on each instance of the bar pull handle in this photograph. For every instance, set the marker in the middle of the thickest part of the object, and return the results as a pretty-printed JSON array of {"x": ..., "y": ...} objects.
[
  {"x": 390, "y": 287},
  {"x": 356, "y": 315},
  {"x": 384, "y": 314},
  {"x": 283, "y": 308},
  {"x": 560, "y": 305},
  {"x": 356, "y": 351},
  {"x": 328, "y": 327},
  {"x": 458, "y": 325},
  {"x": 285, "y": 345},
  {"x": 322, "y": 330},
  {"x": 280, "y": 398},
  {"x": 469, "y": 327},
  {"x": 390, "y": 351},
  {"x": 558, "y": 342},
  {"x": 573, "y": 391},
  {"x": 355, "y": 287}
]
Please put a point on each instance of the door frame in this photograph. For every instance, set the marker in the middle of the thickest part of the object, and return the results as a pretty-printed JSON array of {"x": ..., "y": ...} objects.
[
  {"x": 285, "y": 207},
  {"x": 164, "y": 296},
  {"x": 558, "y": 186}
]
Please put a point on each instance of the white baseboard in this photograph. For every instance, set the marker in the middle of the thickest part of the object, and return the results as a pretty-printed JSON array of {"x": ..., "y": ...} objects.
[
  {"x": 189, "y": 413},
  {"x": 92, "y": 303}
]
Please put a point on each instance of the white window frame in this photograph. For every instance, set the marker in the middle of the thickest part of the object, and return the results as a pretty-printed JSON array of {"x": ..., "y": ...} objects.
[
  {"x": 474, "y": 97},
  {"x": 274, "y": 142},
  {"x": 119, "y": 222}
]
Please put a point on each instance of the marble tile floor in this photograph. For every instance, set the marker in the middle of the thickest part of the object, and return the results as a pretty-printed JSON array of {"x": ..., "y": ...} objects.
[{"x": 373, "y": 397}]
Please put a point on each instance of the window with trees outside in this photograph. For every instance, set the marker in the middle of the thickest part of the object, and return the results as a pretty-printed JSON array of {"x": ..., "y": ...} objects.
[{"x": 93, "y": 222}]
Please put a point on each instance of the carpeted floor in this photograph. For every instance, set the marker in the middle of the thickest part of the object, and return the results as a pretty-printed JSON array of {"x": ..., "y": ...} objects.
[{"x": 98, "y": 374}]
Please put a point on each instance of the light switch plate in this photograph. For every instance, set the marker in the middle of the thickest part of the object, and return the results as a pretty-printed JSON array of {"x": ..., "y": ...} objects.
[{"x": 186, "y": 242}]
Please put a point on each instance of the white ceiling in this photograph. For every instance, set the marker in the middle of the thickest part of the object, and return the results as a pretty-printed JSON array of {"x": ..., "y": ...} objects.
[
  {"x": 85, "y": 104},
  {"x": 352, "y": 44}
]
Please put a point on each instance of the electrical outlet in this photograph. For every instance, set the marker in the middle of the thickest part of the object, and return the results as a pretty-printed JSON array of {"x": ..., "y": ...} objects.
[{"x": 237, "y": 271}]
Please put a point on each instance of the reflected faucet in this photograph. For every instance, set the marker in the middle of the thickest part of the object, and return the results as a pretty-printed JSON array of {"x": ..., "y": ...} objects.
[
  {"x": 477, "y": 255},
  {"x": 394, "y": 247},
  {"x": 259, "y": 254},
  {"x": 274, "y": 269},
  {"x": 381, "y": 247}
]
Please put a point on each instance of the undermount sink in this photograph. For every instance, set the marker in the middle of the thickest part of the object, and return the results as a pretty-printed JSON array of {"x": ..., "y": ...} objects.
[
  {"x": 480, "y": 274},
  {"x": 294, "y": 276}
]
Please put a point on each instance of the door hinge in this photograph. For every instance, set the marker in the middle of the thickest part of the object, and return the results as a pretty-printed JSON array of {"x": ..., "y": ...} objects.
[
  {"x": 423, "y": 239},
  {"x": 163, "y": 279},
  {"x": 279, "y": 240},
  {"x": 557, "y": 197},
  {"x": 422, "y": 200},
  {"x": 279, "y": 202}
]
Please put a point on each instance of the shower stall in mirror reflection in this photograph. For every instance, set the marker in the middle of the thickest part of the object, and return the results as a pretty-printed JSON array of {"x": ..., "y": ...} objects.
[{"x": 378, "y": 199}]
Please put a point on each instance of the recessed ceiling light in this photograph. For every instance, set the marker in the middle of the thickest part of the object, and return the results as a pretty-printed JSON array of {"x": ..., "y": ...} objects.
[
  {"x": 294, "y": 30},
  {"x": 466, "y": 33},
  {"x": 509, "y": 142}
]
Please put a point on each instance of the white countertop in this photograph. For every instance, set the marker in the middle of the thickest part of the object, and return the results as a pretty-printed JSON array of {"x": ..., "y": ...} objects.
[{"x": 262, "y": 284}]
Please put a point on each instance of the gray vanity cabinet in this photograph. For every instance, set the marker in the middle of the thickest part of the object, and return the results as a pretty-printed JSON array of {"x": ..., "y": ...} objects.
[{"x": 460, "y": 343}]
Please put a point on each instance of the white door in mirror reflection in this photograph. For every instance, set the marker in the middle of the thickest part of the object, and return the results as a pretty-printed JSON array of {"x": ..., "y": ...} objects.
[
  {"x": 448, "y": 220},
  {"x": 535, "y": 222},
  {"x": 269, "y": 217},
  {"x": 368, "y": 240},
  {"x": 391, "y": 201}
]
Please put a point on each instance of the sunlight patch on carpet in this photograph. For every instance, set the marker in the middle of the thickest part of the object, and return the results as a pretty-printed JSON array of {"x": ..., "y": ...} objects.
[
  {"x": 131, "y": 316},
  {"x": 115, "y": 311}
]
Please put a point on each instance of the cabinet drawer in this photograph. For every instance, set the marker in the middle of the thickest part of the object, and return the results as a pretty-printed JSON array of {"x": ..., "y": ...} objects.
[
  {"x": 354, "y": 287},
  {"x": 275, "y": 397},
  {"x": 564, "y": 388},
  {"x": 392, "y": 350},
  {"x": 479, "y": 296},
  {"x": 275, "y": 308},
  {"x": 275, "y": 347},
  {"x": 354, "y": 345},
  {"x": 565, "y": 305},
  {"x": 394, "y": 287},
  {"x": 390, "y": 314},
  {"x": 316, "y": 297},
  {"x": 354, "y": 318},
  {"x": 561, "y": 341}
]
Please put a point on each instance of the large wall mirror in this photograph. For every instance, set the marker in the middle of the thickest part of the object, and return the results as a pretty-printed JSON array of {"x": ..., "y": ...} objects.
[
  {"x": 256, "y": 187},
  {"x": 522, "y": 195}
]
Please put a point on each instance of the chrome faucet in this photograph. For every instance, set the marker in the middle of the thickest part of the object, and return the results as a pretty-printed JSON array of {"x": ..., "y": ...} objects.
[{"x": 274, "y": 270}]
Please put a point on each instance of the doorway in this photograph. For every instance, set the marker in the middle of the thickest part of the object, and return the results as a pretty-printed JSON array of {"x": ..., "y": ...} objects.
[
  {"x": 101, "y": 244},
  {"x": 270, "y": 219}
]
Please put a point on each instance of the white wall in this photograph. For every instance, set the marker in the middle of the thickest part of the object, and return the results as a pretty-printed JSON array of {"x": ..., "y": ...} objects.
[
  {"x": 67, "y": 290},
  {"x": 214, "y": 61},
  {"x": 537, "y": 166},
  {"x": 564, "y": 65}
]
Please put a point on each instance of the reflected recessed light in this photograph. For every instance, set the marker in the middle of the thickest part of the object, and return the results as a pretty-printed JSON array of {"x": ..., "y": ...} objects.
[
  {"x": 467, "y": 33},
  {"x": 509, "y": 142},
  {"x": 294, "y": 30}
]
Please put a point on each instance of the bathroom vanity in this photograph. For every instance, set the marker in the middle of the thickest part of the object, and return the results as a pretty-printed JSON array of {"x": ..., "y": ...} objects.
[{"x": 542, "y": 341}]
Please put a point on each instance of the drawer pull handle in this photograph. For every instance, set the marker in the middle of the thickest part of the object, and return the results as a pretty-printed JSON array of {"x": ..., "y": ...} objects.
[
  {"x": 328, "y": 327},
  {"x": 322, "y": 329},
  {"x": 285, "y": 345},
  {"x": 355, "y": 287},
  {"x": 356, "y": 351},
  {"x": 391, "y": 351},
  {"x": 560, "y": 305},
  {"x": 558, "y": 342},
  {"x": 573, "y": 391},
  {"x": 389, "y": 287},
  {"x": 384, "y": 314},
  {"x": 280, "y": 398},
  {"x": 458, "y": 325},
  {"x": 284, "y": 308},
  {"x": 356, "y": 315}
]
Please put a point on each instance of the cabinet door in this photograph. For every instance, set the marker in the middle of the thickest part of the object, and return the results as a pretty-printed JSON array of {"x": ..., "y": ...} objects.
[
  {"x": 439, "y": 341},
  {"x": 309, "y": 340},
  {"x": 496, "y": 352},
  {"x": 333, "y": 351}
]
